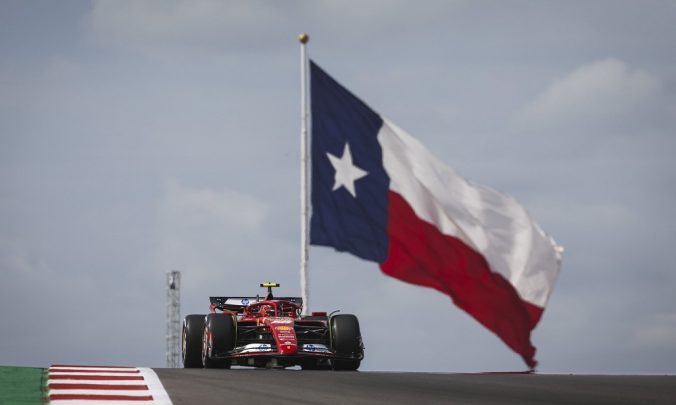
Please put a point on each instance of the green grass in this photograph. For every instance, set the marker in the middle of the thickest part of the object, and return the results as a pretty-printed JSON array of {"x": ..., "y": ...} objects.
[{"x": 21, "y": 385}]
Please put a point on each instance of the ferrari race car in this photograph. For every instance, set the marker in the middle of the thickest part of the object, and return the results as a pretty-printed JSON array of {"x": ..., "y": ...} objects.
[{"x": 272, "y": 333}]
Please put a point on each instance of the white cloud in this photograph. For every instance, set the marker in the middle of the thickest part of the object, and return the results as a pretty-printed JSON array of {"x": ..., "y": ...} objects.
[
  {"x": 156, "y": 25},
  {"x": 214, "y": 236},
  {"x": 14, "y": 258},
  {"x": 606, "y": 90},
  {"x": 658, "y": 331},
  {"x": 166, "y": 23},
  {"x": 189, "y": 208}
]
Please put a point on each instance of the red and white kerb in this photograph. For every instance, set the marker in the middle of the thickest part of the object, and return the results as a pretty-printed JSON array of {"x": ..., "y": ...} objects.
[{"x": 72, "y": 385}]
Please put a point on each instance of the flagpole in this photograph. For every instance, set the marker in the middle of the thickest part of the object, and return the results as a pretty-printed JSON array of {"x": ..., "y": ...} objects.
[{"x": 303, "y": 38}]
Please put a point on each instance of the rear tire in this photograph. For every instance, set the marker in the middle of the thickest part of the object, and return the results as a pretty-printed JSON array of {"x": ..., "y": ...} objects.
[
  {"x": 218, "y": 339},
  {"x": 346, "y": 342},
  {"x": 191, "y": 342}
]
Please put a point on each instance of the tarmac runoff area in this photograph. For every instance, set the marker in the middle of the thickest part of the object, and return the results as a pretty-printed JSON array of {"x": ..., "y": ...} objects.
[
  {"x": 260, "y": 386},
  {"x": 22, "y": 385}
]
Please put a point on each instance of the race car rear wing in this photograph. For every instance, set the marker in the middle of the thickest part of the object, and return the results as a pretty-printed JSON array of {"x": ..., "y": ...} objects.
[{"x": 237, "y": 304}]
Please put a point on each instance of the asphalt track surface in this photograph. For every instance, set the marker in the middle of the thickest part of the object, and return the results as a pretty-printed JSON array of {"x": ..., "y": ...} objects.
[{"x": 259, "y": 386}]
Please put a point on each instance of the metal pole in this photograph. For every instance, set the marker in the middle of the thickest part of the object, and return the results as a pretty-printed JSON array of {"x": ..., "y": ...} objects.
[{"x": 304, "y": 204}]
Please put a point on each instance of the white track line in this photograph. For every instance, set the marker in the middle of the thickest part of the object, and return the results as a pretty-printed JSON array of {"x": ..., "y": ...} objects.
[{"x": 155, "y": 386}]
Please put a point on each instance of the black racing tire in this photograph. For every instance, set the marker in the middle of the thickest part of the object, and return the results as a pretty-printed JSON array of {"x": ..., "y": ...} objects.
[
  {"x": 345, "y": 365},
  {"x": 219, "y": 337},
  {"x": 346, "y": 342},
  {"x": 191, "y": 341}
]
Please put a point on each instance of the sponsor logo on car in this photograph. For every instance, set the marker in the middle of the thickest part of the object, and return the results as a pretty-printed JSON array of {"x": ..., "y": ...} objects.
[
  {"x": 245, "y": 301},
  {"x": 282, "y": 321},
  {"x": 315, "y": 348},
  {"x": 284, "y": 328},
  {"x": 257, "y": 347}
]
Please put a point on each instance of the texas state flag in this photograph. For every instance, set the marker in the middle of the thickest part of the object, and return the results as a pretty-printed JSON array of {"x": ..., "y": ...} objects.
[{"x": 379, "y": 194}]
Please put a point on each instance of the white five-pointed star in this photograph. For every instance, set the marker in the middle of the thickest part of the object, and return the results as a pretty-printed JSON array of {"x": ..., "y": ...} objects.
[{"x": 346, "y": 172}]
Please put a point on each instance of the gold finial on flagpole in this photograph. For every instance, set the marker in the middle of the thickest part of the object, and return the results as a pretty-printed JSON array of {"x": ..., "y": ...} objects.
[{"x": 303, "y": 38}]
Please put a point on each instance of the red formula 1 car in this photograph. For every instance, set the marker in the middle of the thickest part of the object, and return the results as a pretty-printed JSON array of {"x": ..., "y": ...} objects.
[{"x": 246, "y": 331}]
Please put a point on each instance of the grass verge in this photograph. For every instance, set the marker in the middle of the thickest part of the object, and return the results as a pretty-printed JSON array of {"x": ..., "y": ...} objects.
[{"x": 21, "y": 385}]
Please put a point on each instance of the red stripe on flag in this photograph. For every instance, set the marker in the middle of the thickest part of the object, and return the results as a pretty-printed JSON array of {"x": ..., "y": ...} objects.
[
  {"x": 71, "y": 370},
  {"x": 96, "y": 377},
  {"x": 420, "y": 254},
  {"x": 94, "y": 397},
  {"x": 60, "y": 386}
]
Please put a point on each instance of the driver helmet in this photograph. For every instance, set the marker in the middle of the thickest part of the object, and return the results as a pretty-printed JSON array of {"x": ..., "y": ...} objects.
[{"x": 266, "y": 310}]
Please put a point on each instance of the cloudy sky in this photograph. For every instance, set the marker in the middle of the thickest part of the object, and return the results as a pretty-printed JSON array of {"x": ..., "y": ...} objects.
[{"x": 141, "y": 137}]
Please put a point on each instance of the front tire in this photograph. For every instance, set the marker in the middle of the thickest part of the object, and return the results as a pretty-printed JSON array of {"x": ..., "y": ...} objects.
[
  {"x": 191, "y": 342},
  {"x": 346, "y": 342},
  {"x": 219, "y": 337}
]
